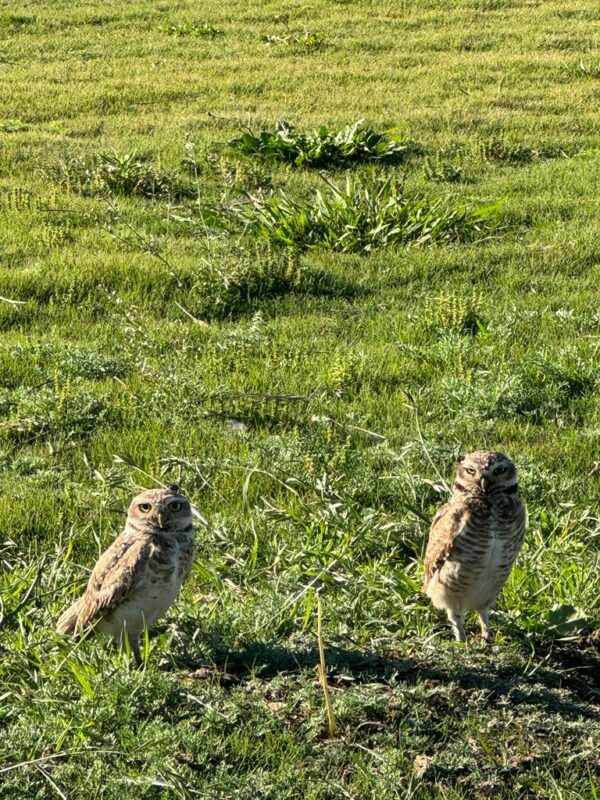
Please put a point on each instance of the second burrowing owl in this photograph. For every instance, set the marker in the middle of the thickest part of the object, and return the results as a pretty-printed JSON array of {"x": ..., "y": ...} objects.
[
  {"x": 474, "y": 539},
  {"x": 137, "y": 579}
]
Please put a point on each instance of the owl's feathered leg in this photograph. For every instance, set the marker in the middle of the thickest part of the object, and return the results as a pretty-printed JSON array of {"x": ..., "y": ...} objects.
[
  {"x": 131, "y": 644},
  {"x": 457, "y": 620},
  {"x": 135, "y": 648},
  {"x": 484, "y": 621}
]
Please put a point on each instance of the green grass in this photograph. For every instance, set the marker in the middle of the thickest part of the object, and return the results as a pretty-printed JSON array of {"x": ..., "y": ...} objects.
[{"x": 311, "y": 403}]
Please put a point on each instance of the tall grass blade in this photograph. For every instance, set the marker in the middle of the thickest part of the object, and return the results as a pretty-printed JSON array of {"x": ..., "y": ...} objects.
[{"x": 322, "y": 671}]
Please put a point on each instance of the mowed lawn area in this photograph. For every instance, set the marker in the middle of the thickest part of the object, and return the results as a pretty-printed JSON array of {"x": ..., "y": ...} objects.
[{"x": 304, "y": 336}]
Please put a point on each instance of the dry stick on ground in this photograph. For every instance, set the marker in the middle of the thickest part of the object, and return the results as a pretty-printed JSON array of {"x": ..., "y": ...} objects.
[
  {"x": 13, "y": 302},
  {"x": 64, "y": 754},
  {"x": 52, "y": 783},
  {"x": 191, "y": 316}
]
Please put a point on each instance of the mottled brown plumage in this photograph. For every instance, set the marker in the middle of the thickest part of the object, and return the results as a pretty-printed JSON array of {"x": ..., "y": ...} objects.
[
  {"x": 475, "y": 539},
  {"x": 137, "y": 579}
]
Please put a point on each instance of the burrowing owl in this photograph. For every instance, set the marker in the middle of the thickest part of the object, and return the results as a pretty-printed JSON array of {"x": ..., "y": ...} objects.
[
  {"x": 138, "y": 577},
  {"x": 474, "y": 539}
]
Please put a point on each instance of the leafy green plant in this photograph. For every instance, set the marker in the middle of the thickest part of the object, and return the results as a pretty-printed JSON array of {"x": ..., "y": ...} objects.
[
  {"x": 567, "y": 621},
  {"x": 322, "y": 147},
  {"x": 536, "y": 389},
  {"x": 192, "y": 29},
  {"x": 496, "y": 149},
  {"x": 505, "y": 152},
  {"x": 63, "y": 409},
  {"x": 12, "y": 126},
  {"x": 361, "y": 217},
  {"x": 444, "y": 166},
  {"x": 455, "y": 312},
  {"x": 127, "y": 175},
  {"x": 303, "y": 40},
  {"x": 18, "y": 359},
  {"x": 91, "y": 364}
]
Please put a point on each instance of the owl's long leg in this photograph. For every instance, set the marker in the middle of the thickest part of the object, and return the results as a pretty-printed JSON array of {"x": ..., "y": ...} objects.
[
  {"x": 484, "y": 621},
  {"x": 135, "y": 647},
  {"x": 457, "y": 620},
  {"x": 131, "y": 645}
]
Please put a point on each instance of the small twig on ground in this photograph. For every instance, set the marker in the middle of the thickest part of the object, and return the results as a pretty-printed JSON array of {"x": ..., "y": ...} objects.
[
  {"x": 191, "y": 316},
  {"x": 13, "y": 302},
  {"x": 52, "y": 783}
]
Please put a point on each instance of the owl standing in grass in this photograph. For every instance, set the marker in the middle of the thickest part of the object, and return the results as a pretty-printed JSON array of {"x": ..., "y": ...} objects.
[
  {"x": 474, "y": 539},
  {"x": 138, "y": 578}
]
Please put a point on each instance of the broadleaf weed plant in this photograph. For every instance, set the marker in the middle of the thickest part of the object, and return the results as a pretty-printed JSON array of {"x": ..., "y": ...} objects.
[
  {"x": 199, "y": 30},
  {"x": 128, "y": 175},
  {"x": 303, "y": 40},
  {"x": 323, "y": 147},
  {"x": 361, "y": 217}
]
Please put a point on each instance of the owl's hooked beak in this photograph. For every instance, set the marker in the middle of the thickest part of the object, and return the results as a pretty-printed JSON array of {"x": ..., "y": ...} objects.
[
  {"x": 484, "y": 483},
  {"x": 161, "y": 520}
]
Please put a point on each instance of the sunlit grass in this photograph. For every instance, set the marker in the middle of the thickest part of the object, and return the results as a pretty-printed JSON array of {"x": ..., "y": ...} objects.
[{"x": 310, "y": 399}]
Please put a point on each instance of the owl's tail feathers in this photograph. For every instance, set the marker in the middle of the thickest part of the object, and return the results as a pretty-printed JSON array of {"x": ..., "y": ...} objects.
[{"x": 68, "y": 622}]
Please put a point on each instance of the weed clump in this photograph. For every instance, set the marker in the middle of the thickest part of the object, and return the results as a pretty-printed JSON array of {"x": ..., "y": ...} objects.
[
  {"x": 361, "y": 218},
  {"x": 451, "y": 312},
  {"x": 128, "y": 175},
  {"x": 63, "y": 409},
  {"x": 322, "y": 147},
  {"x": 446, "y": 165},
  {"x": 538, "y": 390},
  {"x": 501, "y": 151},
  {"x": 200, "y": 30},
  {"x": 303, "y": 40}
]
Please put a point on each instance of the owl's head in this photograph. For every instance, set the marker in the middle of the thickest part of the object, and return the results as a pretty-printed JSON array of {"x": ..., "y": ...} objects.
[
  {"x": 486, "y": 472},
  {"x": 161, "y": 509}
]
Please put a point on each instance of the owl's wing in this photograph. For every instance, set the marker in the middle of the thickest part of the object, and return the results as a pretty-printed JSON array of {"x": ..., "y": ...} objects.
[
  {"x": 449, "y": 522},
  {"x": 114, "y": 577},
  {"x": 186, "y": 561}
]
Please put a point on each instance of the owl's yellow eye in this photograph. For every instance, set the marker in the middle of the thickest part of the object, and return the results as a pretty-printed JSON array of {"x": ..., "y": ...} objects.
[
  {"x": 145, "y": 507},
  {"x": 499, "y": 470},
  {"x": 175, "y": 506},
  {"x": 470, "y": 471}
]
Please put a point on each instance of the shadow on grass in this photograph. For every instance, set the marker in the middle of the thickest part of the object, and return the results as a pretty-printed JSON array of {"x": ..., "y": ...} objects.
[
  {"x": 565, "y": 680},
  {"x": 280, "y": 298}
]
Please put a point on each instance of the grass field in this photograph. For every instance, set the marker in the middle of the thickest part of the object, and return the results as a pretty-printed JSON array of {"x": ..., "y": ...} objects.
[{"x": 171, "y": 309}]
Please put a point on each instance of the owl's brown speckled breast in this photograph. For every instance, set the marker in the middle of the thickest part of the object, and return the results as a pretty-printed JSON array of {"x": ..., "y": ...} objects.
[{"x": 167, "y": 567}]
